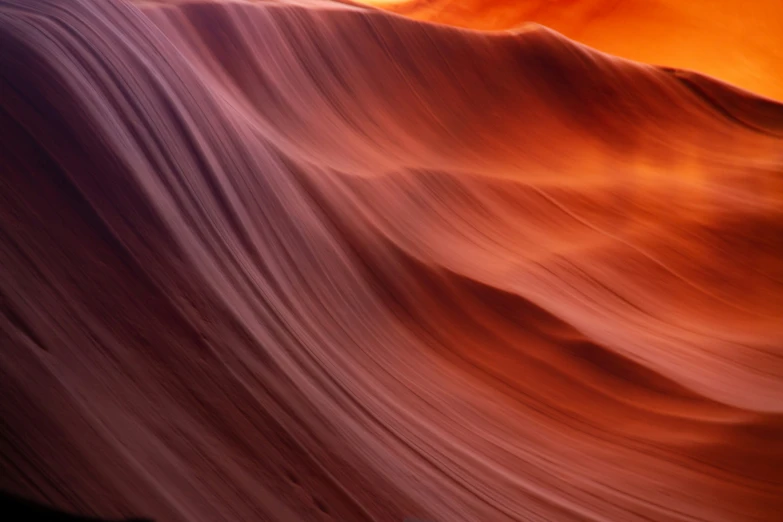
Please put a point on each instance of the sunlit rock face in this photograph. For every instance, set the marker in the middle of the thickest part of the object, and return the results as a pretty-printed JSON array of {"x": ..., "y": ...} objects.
[
  {"x": 737, "y": 41},
  {"x": 319, "y": 261}
]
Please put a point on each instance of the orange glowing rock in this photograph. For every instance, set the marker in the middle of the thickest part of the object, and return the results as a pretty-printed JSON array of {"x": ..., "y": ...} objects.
[{"x": 737, "y": 41}]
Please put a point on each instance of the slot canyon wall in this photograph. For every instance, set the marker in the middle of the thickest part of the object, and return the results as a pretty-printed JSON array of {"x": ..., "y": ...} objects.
[{"x": 313, "y": 260}]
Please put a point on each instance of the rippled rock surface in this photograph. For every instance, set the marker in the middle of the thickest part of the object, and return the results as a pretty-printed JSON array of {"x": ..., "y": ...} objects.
[{"x": 310, "y": 260}]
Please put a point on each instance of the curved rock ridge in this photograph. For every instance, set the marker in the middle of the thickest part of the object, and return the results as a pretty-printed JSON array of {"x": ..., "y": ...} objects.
[
  {"x": 311, "y": 260},
  {"x": 736, "y": 41}
]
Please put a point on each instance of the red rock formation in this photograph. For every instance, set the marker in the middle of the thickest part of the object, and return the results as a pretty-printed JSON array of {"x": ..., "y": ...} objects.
[
  {"x": 314, "y": 261},
  {"x": 739, "y": 42}
]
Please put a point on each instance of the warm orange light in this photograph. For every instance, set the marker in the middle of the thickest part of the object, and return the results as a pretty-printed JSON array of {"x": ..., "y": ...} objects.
[{"x": 741, "y": 42}]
